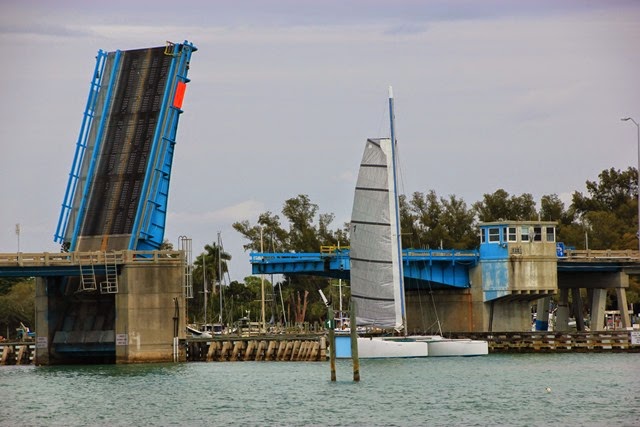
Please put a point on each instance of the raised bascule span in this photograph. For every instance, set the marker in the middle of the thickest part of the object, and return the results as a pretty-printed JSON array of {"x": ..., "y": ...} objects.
[
  {"x": 118, "y": 187},
  {"x": 110, "y": 295}
]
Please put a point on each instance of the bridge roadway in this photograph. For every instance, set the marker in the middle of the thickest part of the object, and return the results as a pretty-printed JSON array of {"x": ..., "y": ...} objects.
[
  {"x": 438, "y": 268},
  {"x": 70, "y": 264}
]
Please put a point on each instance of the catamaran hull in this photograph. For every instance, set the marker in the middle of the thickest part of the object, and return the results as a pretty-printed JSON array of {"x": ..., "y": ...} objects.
[
  {"x": 446, "y": 347},
  {"x": 379, "y": 348},
  {"x": 416, "y": 346}
]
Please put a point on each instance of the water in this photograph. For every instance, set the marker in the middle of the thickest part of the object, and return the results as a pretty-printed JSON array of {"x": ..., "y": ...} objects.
[{"x": 585, "y": 389}]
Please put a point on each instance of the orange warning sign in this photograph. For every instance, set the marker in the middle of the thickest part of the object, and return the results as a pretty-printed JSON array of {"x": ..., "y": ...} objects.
[{"x": 179, "y": 96}]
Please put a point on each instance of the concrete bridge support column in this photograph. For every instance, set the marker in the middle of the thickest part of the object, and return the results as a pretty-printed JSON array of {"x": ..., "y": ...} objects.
[
  {"x": 42, "y": 326},
  {"x": 577, "y": 308},
  {"x": 621, "y": 294},
  {"x": 598, "y": 303},
  {"x": 145, "y": 313},
  {"x": 542, "y": 316},
  {"x": 562, "y": 314}
]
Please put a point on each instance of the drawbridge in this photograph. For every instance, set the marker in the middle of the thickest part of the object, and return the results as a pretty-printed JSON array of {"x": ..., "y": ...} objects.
[
  {"x": 112, "y": 220},
  {"x": 118, "y": 187}
]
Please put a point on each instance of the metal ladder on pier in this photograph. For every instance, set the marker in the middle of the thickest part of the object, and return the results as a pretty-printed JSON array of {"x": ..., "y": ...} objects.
[
  {"x": 87, "y": 275},
  {"x": 110, "y": 285},
  {"x": 187, "y": 277}
]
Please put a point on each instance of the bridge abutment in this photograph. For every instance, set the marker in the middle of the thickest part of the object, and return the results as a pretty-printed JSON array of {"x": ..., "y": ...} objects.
[
  {"x": 144, "y": 321},
  {"x": 147, "y": 304}
]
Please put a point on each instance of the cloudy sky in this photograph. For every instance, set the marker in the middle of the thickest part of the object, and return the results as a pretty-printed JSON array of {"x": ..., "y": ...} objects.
[{"x": 521, "y": 95}]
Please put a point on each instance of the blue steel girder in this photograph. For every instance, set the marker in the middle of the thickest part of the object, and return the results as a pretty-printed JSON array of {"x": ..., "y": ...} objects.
[
  {"x": 96, "y": 150},
  {"x": 310, "y": 264},
  {"x": 81, "y": 146},
  {"x": 422, "y": 268},
  {"x": 149, "y": 224}
]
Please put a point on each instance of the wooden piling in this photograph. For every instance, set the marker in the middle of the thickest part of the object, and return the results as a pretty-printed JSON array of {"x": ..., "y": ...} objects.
[
  {"x": 332, "y": 344},
  {"x": 224, "y": 352},
  {"x": 250, "y": 348},
  {"x": 282, "y": 347},
  {"x": 260, "y": 351},
  {"x": 288, "y": 350},
  {"x": 354, "y": 342},
  {"x": 21, "y": 353},
  {"x": 213, "y": 349},
  {"x": 6, "y": 351},
  {"x": 315, "y": 346},
  {"x": 294, "y": 350},
  {"x": 237, "y": 349},
  {"x": 270, "y": 350}
]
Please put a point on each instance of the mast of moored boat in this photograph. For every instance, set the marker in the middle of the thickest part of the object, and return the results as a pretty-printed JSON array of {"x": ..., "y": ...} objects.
[
  {"x": 220, "y": 276},
  {"x": 397, "y": 214}
]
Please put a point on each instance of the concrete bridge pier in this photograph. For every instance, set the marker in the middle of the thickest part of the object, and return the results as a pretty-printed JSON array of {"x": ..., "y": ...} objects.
[
  {"x": 598, "y": 305},
  {"x": 562, "y": 312},
  {"x": 542, "y": 314},
  {"x": 149, "y": 302},
  {"x": 142, "y": 321},
  {"x": 597, "y": 285}
]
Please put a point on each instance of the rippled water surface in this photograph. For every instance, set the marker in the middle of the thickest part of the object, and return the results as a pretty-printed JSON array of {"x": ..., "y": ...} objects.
[{"x": 585, "y": 389}]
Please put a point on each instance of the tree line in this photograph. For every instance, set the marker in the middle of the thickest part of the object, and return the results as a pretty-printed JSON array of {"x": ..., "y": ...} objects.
[{"x": 605, "y": 217}]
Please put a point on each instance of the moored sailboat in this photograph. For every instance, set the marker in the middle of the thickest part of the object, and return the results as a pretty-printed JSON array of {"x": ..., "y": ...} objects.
[{"x": 377, "y": 277}]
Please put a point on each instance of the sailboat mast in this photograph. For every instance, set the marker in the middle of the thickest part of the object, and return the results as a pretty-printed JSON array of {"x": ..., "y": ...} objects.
[
  {"x": 392, "y": 118},
  {"x": 204, "y": 285},
  {"x": 220, "y": 275}
]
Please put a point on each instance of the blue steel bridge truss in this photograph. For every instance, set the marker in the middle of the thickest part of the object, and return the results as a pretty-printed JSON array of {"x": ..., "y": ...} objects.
[{"x": 423, "y": 269}]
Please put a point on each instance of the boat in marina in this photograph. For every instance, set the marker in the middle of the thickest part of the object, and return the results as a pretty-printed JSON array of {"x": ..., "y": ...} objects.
[
  {"x": 196, "y": 333},
  {"x": 377, "y": 277}
]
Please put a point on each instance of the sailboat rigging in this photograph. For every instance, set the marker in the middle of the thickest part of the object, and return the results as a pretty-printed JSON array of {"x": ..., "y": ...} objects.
[{"x": 377, "y": 277}]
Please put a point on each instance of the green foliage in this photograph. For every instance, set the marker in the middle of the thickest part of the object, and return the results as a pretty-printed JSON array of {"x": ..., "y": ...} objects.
[
  {"x": 500, "y": 206},
  {"x": 303, "y": 234},
  {"x": 613, "y": 193},
  {"x": 608, "y": 215},
  {"x": 18, "y": 305},
  {"x": 431, "y": 222},
  {"x": 6, "y": 283}
]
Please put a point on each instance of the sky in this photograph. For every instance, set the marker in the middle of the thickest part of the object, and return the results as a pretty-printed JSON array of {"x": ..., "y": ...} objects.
[{"x": 524, "y": 95}]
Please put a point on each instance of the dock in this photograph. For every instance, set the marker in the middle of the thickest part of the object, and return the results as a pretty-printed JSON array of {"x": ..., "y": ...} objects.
[
  {"x": 615, "y": 341},
  {"x": 313, "y": 347},
  {"x": 17, "y": 353},
  {"x": 281, "y": 348}
]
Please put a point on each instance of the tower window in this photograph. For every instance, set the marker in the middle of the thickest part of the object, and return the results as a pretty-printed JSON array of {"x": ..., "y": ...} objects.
[{"x": 551, "y": 234}]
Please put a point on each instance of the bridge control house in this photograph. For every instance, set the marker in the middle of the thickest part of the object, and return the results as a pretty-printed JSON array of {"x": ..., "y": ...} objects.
[{"x": 517, "y": 265}]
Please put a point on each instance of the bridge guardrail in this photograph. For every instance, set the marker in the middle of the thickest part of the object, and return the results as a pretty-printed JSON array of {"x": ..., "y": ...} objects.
[
  {"x": 32, "y": 259},
  {"x": 600, "y": 255}
]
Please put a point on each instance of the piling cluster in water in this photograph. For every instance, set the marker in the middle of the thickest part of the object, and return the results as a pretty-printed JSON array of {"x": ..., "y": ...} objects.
[{"x": 258, "y": 349}]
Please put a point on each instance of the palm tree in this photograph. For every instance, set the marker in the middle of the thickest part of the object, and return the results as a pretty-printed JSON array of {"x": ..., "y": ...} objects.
[{"x": 214, "y": 259}]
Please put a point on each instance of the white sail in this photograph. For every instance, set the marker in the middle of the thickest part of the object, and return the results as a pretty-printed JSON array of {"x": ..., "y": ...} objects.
[
  {"x": 376, "y": 271},
  {"x": 377, "y": 282}
]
